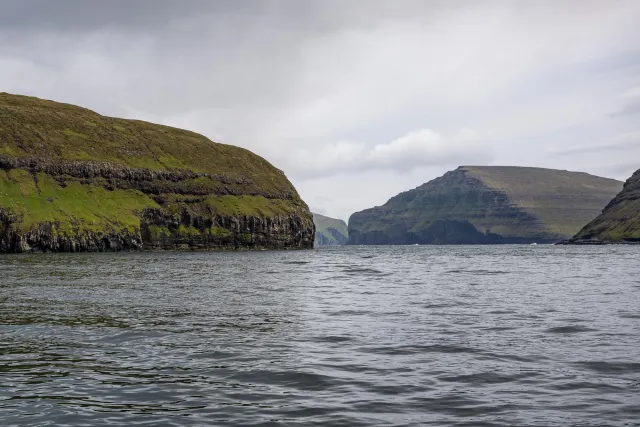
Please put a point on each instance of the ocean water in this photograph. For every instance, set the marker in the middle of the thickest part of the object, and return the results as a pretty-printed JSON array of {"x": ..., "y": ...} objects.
[{"x": 353, "y": 336}]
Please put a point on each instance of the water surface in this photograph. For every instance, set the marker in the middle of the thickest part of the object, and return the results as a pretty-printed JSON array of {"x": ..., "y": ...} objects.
[{"x": 354, "y": 336}]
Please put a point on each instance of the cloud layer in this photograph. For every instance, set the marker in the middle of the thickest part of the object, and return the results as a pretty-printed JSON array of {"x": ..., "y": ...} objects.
[{"x": 355, "y": 99}]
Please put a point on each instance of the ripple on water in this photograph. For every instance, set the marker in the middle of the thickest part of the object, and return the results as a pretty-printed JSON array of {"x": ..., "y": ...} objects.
[{"x": 366, "y": 336}]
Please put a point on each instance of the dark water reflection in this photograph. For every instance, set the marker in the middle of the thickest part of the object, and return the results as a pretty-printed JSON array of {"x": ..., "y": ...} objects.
[{"x": 495, "y": 336}]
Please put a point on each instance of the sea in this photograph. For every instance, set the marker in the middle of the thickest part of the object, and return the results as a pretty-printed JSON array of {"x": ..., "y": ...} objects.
[{"x": 348, "y": 336}]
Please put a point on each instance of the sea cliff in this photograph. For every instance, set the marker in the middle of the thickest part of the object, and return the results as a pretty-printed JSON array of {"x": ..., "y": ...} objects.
[
  {"x": 330, "y": 231},
  {"x": 74, "y": 180}
]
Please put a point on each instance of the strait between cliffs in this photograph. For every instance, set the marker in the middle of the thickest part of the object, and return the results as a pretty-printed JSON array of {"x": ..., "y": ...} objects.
[{"x": 73, "y": 180}]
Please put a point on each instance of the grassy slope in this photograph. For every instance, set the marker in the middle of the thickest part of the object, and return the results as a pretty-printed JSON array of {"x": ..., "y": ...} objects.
[
  {"x": 323, "y": 223},
  {"x": 620, "y": 220},
  {"x": 35, "y": 128},
  {"x": 564, "y": 201},
  {"x": 74, "y": 208}
]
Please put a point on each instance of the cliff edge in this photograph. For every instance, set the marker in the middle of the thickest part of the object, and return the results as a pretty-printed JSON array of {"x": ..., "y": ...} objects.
[{"x": 73, "y": 180}]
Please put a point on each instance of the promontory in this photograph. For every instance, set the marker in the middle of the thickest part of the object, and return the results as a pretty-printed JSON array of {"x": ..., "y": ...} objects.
[
  {"x": 74, "y": 180},
  {"x": 619, "y": 222},
  {"x": 487, "y": 205}
]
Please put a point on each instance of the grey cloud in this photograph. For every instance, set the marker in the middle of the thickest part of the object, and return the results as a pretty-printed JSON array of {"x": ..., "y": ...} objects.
[
  {"x": 153, "y": 15},
  {"x": 630, "y": 109},
  {"x": 291, "y": 79},
  {"x": 589, "y": 149},
  {"x": 92, "y": 15}
]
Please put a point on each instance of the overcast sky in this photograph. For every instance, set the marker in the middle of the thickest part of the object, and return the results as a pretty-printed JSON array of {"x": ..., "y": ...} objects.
[{"x": 356, "y": 100}]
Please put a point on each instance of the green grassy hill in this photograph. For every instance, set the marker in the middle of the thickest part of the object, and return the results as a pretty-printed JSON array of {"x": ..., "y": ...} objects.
[
  {"x": 619, "y": 222},
  {"x": 71, "y": 179},
  {"x": 330, "y": 231},
  {"x": 487, "y": 204}
]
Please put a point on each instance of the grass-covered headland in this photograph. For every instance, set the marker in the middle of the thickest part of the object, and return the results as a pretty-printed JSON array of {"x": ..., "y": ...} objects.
[{"x": 73, "y": 180}]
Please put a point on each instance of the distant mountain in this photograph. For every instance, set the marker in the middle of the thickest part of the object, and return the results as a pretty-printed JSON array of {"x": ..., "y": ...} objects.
[
  {"x": 487, "y": 204},
  {"x": 620, "y": 219},
  {"x": 330, "y": 231}
]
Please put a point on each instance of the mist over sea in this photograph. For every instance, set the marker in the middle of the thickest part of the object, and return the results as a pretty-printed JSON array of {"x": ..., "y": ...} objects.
[{"x": 348, "y": 336}]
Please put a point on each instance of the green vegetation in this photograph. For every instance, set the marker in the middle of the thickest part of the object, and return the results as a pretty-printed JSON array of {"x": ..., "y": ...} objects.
[
  {"x": 56, "y": 131},
  {"x": 620, "y": 220},
  {"x": 489, "y": 204},
  {"x": 220, "y": 232},
  {"x": 249, "y": 205},
  {"x": 72, "y": 209},
  {"x": 329, "y": 231},
  {"x": 66, "y": 171}
]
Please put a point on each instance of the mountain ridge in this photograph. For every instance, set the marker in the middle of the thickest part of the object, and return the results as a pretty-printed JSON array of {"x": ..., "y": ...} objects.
[{"x": 486, "y": 204}]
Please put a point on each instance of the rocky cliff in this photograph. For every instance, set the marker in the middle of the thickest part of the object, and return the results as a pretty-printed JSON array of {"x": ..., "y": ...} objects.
[
  {"x": 619, "y": 222},
  {"x": 73, "y": 180},
  {"x": 329, "y": 231},
  {"x": 486, "y": 205}
]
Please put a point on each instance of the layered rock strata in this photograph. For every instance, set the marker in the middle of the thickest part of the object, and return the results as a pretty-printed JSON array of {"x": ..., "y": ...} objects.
[
  {"x": 73, "y": 180},
  {"x": 486, "y": 205}
]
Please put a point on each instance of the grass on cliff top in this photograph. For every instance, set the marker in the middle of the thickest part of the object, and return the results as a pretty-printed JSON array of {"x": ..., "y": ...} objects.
[
  {"x": 74, "y": 209},
  {"x": 323, "y": 223},
  {"x": 32, "y": 127}
]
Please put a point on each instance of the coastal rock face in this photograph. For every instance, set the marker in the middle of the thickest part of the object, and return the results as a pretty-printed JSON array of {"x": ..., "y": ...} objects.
[
  {"x": 619, "y": 222},
  {"x": 73, "y": 180},
  {"x": 330, "y": 231},
  {"x": 486, "y": 205}
]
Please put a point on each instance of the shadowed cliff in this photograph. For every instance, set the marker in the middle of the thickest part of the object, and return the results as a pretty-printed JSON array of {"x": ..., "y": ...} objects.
[
  {"x": 330, "y": 231},
  {"x": 487, "y": 205},
  {"x": 73, "y": 180}
]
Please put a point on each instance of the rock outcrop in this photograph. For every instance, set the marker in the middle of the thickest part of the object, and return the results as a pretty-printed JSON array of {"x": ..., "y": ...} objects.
[
  {"x": 330, "y": 231},
  {"x": 486, "y": 205},
  {"x": 73, "y": 180},
  {"x": 619, "y": 222}
]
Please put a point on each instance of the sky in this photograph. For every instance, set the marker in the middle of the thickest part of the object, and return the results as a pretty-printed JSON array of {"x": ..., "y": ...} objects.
[{"x": 355, "y": 100}]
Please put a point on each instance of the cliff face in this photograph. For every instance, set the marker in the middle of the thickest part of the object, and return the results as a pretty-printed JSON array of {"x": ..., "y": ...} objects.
[
  {"x": 486, "y": 205},
  {"x": 73, "y": 180},
  {"x": 330, "y": 231},
  {"x": 619, "y": 222}
]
